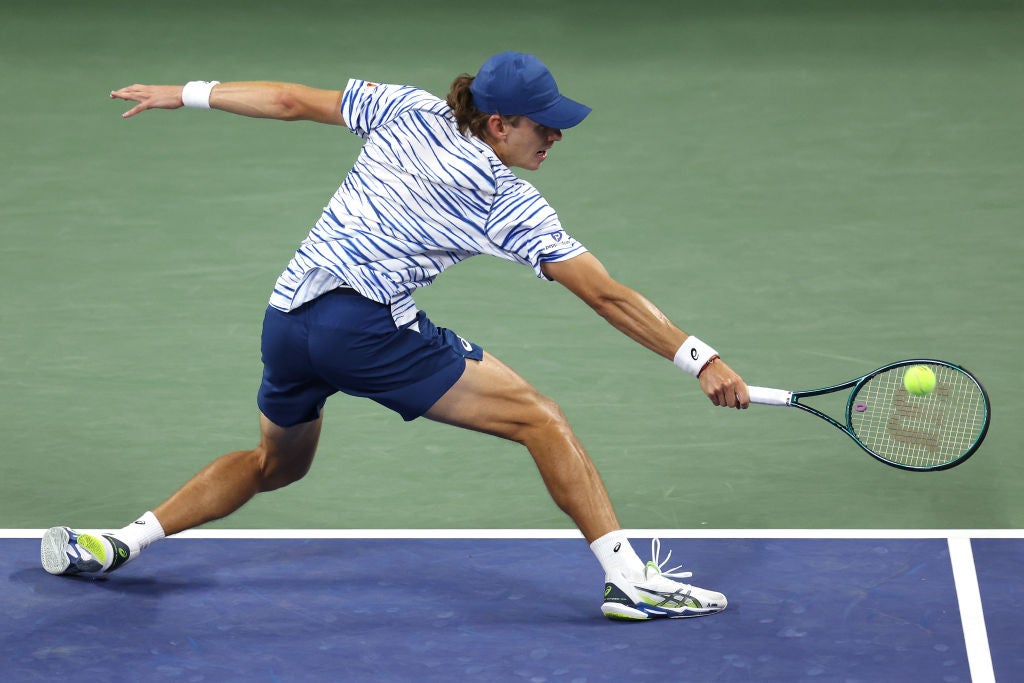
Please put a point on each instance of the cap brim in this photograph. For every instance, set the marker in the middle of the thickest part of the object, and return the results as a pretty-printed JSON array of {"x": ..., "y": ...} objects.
[{"x": 565, "y": 113}]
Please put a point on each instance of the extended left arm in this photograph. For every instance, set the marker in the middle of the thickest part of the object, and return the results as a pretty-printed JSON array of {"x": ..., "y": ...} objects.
[
  {"x": 639, "y": 319},
  {"x": 256, "y": 99}
]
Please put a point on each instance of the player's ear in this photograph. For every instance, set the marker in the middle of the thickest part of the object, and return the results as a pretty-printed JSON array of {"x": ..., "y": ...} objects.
[{"x": 497, "y": 127}]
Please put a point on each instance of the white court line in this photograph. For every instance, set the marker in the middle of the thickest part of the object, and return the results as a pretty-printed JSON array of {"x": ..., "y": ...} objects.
[
  {"x": 573, "y": 533},
  {"x": 972, "y": 615}
]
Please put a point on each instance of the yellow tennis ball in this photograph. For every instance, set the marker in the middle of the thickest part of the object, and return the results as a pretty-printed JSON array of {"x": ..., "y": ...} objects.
[{"x": 919, "y": 380}]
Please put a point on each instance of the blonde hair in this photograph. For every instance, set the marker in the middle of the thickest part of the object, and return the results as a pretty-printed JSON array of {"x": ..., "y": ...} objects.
[{"x": 468, "y": 117}]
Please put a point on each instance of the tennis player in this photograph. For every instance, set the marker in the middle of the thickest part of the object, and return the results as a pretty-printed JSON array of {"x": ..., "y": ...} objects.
[{"x": 431, "y": 187}]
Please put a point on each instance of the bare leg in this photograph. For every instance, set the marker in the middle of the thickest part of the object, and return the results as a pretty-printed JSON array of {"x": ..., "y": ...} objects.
[
  {"x": 490, "y": 397},
  {"x": 283, "y": 456}
]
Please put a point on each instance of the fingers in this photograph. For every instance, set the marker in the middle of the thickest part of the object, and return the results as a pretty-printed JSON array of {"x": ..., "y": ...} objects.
[
  {"x": 724, "y": 387},
  {"x": 732, "y": 397},
  {"x": 148, "y": 97},
  {"x": 742, "y": 396},
  {"x": 736, "y": 395},
  {"x": 133, "y": 93},
  {"x": 134, "y": 110}
]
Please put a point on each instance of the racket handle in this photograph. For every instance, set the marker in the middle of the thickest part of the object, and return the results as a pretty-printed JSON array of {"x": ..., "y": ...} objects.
[{"x": 769, "y": 397}]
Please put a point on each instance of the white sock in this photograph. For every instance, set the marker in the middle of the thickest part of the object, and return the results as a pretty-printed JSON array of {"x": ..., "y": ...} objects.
[
  {"x": 141, "y": 533},
  {"x": 617, "y": 556}
]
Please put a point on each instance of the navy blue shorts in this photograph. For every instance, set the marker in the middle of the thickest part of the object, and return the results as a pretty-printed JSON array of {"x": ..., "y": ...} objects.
[{"x": 342, "y": 341}]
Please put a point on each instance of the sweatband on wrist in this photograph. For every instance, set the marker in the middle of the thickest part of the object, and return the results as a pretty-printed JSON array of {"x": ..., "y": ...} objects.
[
  {"x": 693, "y": 355},
  {"x": 196, "y": 94}
]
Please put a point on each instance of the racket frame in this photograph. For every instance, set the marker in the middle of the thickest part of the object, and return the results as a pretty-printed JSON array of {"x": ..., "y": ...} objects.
[{"x": 855, "y": 385}]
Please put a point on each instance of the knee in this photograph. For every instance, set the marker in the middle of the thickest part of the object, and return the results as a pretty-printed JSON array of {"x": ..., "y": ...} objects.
[
  {"x": 278, "y": 470},
  {"x": 543, "y": 420}
]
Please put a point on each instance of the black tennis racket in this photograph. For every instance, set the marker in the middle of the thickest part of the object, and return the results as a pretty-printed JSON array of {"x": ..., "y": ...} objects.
[{"x": 921, "y": 433}]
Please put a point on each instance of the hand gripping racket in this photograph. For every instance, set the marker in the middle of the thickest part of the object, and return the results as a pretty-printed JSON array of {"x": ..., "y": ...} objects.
[{"x": 921, "y": 433}]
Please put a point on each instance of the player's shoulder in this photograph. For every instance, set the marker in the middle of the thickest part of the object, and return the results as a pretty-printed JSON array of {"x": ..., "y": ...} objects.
[
  {"x": 395, "y": 95},
  {"x": 368, "y": 105}
]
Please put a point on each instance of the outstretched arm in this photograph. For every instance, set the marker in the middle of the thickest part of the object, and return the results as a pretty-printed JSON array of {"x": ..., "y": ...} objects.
[
  {"x": 636, "y": 317},
  {"x": 257, "y": 99}
]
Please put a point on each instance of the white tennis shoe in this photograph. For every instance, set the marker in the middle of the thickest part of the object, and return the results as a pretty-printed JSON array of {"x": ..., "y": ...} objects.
[
  {"x": 658, "y": 595},
  {"x": 64, "y": 551}
]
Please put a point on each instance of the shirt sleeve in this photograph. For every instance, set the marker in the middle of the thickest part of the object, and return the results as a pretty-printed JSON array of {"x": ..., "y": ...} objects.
[
  {"x": 366, "y": 105},
  {"x": 525, "y": 226}
]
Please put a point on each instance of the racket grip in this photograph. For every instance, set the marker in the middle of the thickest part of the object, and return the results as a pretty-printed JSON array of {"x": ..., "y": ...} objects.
[{"x": 769, "y": 397}]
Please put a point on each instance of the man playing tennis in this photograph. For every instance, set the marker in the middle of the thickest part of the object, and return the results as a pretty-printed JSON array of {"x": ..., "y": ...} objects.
[{"x": 431, "y": 187}]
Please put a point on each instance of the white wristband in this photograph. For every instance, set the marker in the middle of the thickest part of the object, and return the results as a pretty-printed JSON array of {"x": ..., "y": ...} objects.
[
  {"x": 693, "y": 355},
  {"x": 196, "y": 94}
]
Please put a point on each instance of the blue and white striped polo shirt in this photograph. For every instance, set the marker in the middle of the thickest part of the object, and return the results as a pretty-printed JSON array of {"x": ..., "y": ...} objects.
[{"x": 420, "y": 198}]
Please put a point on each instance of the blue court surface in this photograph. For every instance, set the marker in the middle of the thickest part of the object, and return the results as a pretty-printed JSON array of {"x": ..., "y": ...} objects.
[{"x": 354, "y": 607}]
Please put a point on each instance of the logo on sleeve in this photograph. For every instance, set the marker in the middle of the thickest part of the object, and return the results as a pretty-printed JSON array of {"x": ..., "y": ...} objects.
[{"x": 557, "y": 240}]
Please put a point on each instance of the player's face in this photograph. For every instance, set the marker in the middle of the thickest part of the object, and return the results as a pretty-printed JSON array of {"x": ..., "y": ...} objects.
[{"x": 527, "y": 144}]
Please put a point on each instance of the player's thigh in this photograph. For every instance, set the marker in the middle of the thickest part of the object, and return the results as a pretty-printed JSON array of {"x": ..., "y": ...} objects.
[{"x": 491, "y": 397}]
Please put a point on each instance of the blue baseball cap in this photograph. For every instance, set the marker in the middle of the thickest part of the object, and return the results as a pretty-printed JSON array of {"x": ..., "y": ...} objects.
[{"x": 516, "y": 83}]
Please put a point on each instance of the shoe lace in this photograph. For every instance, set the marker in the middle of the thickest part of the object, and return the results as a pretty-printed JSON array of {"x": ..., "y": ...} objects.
[{"x": 660, "y": 564}]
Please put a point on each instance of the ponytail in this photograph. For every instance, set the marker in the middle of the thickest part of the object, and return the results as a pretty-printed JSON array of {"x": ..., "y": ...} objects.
[{"x": 468, "y": 117}]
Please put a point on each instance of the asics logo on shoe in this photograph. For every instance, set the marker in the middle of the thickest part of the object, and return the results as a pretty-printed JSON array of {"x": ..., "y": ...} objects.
[
  {"x": 122, "y": 553},
  {"x": 675, "y": 599},
  {"x": 656, "y": 595}
]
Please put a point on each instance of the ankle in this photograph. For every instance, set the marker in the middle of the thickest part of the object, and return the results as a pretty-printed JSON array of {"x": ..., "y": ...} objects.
[
  {"x": 141, "y": 533},
  {"x": 617, "y": 556}
]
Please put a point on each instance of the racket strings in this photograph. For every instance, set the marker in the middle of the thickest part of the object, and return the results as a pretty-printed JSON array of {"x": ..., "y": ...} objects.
[{"x": 919, "y": 431}]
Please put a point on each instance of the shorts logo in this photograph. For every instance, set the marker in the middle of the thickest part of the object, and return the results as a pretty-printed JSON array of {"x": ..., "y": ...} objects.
[{"x": 465, "y": 344}]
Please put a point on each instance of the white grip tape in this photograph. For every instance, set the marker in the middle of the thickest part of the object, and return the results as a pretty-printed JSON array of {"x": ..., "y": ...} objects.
[
  {"x": 769, "y": 397},
  {"x": 693, "y": 355},
  {"x": 196, "y": 94}
]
